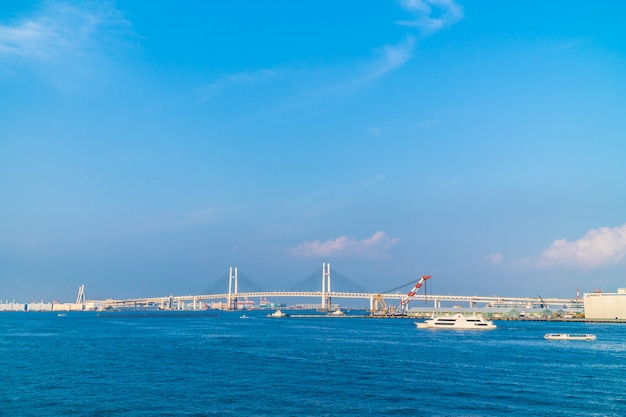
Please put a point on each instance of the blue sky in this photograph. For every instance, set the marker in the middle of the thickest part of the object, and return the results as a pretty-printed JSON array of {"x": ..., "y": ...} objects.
[{"x": 146, "y": 147}]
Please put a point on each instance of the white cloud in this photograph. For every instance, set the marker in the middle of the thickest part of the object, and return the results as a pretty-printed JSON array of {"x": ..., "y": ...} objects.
[
  {"x": 495, "y": 258},
  {"x": 391, "y": 57},
  {"x": 373, "y": 247},
  {"x": 598, "y": 247},
  {"x": 26, "y": 39},
  {"x": 382, "y": 61},
  {"x": 432, "y": 15},
  {"x": 429, "y": 17},
  {"x": 58, "y": 31}
]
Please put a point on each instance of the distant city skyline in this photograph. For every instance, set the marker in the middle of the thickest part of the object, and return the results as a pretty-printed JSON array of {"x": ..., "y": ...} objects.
[{"x": 145, "y": 148}]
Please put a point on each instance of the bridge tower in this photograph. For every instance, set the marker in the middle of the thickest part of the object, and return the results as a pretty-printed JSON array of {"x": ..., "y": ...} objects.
[
  {"x": 80, "y": 298},
  {"x": 232, "y": 295},
  {"x": 326, "y": 302}
]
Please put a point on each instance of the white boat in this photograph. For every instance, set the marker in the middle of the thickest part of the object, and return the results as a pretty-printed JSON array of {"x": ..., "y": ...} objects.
[
  {"x": 278, "y": 314},
  {"x": 457, "y": 322},
  {"x": 566, "y": 336},
  {"x": 337, "y": 313}
]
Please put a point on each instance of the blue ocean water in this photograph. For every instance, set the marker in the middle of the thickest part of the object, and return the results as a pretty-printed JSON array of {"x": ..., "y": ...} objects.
[{"x": 120, "y": 365}]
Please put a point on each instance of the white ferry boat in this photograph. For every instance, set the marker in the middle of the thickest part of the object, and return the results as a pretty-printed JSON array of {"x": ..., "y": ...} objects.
[
  {"x": 457, "y": 322},
  {"x": 565, "y": 336}
]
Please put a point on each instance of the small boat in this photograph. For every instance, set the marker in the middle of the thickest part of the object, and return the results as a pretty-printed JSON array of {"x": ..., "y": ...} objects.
[
  {"x": 566, "y": 336},
  {"x": 337, "y": 313},
  {"x": 457, "y": 322},
  {"x": 277, "y": 314}
]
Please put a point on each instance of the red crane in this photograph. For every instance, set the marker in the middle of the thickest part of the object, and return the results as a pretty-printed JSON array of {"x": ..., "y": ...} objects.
[{"x": 404, "y": 304}]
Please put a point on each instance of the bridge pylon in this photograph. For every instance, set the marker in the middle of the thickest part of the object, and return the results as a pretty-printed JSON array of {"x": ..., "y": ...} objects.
[
  {"x": 80, "y": 298},
  {"x": 326, "y": 301},
  {"x": 232, "y": 295}
]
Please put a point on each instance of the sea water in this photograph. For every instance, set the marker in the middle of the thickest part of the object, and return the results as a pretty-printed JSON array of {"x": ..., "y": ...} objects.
[{"x": 83, "y": 364}]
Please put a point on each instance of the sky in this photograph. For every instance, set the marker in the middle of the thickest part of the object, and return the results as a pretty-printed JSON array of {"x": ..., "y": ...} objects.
[{"x": 147, "y": 147}]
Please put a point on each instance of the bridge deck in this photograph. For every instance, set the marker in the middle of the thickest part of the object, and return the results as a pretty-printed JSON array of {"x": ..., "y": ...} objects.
[{"x": 475, "y": 299}]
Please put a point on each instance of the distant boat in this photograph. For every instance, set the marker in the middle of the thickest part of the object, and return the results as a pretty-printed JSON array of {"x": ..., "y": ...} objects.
[
  {"x": 61, "y": 315},
  {"x": 277, "y": 314},
  {"x": 565, "y": 336},
  {"x": 337, "y": 313},
  {"x": 457, "y": 322}
]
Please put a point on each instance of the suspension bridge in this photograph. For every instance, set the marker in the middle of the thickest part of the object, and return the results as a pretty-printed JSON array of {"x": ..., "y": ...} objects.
[{"x": 234, "y": 299}]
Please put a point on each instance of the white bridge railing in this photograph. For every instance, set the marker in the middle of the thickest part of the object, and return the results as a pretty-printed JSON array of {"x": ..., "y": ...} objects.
[
  {"x": 196, "y": 300},
  {"x": 233, "y": 297}
]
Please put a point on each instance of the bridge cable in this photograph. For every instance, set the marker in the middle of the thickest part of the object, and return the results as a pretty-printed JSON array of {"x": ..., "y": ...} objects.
[{"x": 397, "y": 288}]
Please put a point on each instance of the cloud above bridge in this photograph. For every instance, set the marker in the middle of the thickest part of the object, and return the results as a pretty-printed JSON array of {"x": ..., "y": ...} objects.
[
  {"x": 373, "y": 247},
  {"x": 494, "y": 258},
  {"x": 431, "y": 16},
  {"x": 600, "y": 247}
]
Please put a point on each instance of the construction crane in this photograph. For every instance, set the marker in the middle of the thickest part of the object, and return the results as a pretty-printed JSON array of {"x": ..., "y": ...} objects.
[
  {"x": 543, "y": 304},
  {"x": 404, "y": 304}
]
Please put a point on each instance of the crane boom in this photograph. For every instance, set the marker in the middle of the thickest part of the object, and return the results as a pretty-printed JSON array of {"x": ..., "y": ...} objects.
[
  {"x": 543, "y": 303},
  {"x": 404, "y": 304}
]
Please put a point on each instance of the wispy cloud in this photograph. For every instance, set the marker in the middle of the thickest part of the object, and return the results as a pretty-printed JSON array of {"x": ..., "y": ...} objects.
[
  {"x": 58, "y": 29},
  {"x": 372, "y": 247},
  {"x": 597, "y": 248},
  {"x": 432, "y": 15},
  {"x": 390, "y": 57},
  {"x": 65, "y": 37},
  {"x": 240, "y": 78},
  {"x": 495, "y": 258},
  {"x": 27, "y": 39},
  {"x": 381, "y": 62},
  {"x": 429, "y": 17}
]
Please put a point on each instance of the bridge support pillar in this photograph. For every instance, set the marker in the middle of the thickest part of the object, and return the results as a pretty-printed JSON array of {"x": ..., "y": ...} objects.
[
  {"x": 232, "y": 295},
  {"x": 326, "y": 301}
]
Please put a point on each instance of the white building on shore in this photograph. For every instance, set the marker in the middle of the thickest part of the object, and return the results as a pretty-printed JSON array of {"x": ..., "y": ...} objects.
[
  {"x": 43, "y": 307},
  {"x": 606, "y": 306},
  {"x": 80, "y": 305}
]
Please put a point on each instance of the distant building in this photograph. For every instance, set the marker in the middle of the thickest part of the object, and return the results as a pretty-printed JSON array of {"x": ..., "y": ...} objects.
[
  {"x": 606, "y": 306},
  {"x": 41, "y": 306},
  {"x": 12, "y": 306}
]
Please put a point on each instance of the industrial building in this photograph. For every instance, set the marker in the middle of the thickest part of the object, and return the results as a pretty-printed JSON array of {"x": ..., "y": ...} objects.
[{"x": 606, "y": 306}]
